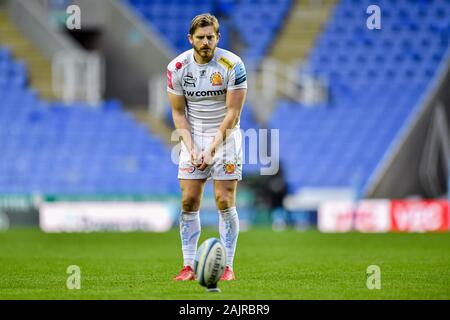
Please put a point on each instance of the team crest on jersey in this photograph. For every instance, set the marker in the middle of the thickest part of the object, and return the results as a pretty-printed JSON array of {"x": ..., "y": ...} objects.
[
  {"x": 229, "y": 168},
  {"x": 189, "y": 80},
  {"x": 216, "y": 79}
]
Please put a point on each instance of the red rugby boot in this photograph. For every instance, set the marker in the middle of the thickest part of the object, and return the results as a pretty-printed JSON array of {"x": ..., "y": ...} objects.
[
  {"x": 228, "y": 274},
  {"x": 185, "y": 274}
]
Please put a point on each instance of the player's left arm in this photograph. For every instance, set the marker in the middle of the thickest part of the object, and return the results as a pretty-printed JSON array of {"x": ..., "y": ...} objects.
[{"x": 235, "y": 101}]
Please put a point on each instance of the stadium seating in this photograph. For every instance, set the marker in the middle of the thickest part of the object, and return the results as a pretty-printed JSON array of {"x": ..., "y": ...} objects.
[
  {"x": 12, "y": 75},
  {"x": 377, "y": 80},
  {"x": 248, "y": 122},
  {"x": 74, "y": 149},
  {"x": 171, "y": 18},
  {"x": 257, "y": 21},
  {"x": 53, "y": 148}
]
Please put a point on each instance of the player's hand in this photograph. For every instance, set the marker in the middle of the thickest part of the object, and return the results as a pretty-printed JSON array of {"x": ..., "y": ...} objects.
[
  {"x": 207, "y": 158},
  {"x": 195, "y": 158}
]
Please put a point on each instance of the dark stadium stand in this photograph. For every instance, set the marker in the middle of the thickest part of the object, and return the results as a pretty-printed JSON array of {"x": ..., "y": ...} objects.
[{"x": 377, "y": 78}]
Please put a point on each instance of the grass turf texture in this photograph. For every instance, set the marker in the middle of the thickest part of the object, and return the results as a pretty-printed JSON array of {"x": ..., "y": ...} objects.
[{"x": 268, "y": 265}]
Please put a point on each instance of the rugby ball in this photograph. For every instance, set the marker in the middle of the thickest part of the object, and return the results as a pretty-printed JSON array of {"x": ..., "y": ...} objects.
[{"x": 210, "y": 262}]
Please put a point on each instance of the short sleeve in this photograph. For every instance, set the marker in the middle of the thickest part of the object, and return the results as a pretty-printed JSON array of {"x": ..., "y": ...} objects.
[
  {"x": 173, "y": 83},
  {"x": 238, "y": 77}
]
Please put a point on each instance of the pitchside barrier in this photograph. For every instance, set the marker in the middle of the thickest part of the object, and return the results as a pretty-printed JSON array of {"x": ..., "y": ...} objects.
[
  {"x": 160, "y": 213},
  {"x": 126, "y": 213},
  {"x": 384, "y": 215},
  {"x": 18, "y": 210},
  {"x": 112, "y": 212}
]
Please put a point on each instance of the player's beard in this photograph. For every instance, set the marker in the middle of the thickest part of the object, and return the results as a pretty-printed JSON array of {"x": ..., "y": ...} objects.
[{"x": 205, "y": 54}]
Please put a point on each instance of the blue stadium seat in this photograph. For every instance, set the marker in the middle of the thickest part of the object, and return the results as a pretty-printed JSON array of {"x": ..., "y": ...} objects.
[
  {"x": 376, "y": 83},
  {"x": 265, "y": 17},
  {"x": 73, "y": 149}
]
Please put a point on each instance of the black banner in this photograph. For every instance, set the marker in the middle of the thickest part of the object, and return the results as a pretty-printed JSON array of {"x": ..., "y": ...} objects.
[{"x": 227, "y": 309}]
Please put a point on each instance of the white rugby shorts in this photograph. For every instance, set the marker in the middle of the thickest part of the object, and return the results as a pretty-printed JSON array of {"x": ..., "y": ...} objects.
[{"x": 227, "y": 161}]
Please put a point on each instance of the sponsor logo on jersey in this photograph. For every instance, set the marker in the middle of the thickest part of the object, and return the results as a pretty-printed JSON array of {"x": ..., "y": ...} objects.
[
  {"x": 210, "y": 93},
  {"x": 189, "y": 80},
  {"x": 216, "y": 79},
  {"x": 178, "y": 65},
  {"x": 189, "y": 169},
  {"x": 224, "y": 61},
  {"x": 240, "y": 74},
  {"x": 202, "y": 73}
]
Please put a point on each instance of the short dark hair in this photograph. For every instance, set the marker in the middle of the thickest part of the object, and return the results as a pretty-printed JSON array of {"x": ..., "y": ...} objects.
[{"x": 204, "y": 20}]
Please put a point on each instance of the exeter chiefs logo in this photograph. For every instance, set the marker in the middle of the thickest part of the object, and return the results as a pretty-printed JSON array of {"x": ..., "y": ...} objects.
[
  {"x": 229, "y": 168},
  {"x": 216, "y": 79}
]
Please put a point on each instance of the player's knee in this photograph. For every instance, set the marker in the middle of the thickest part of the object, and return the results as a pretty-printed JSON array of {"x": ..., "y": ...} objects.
[
  {"x": 190, "y": 203},
  {"x": 224, "y": 201}
]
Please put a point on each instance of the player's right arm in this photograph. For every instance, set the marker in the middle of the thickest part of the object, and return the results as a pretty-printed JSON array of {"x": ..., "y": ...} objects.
[{"x": 178, "y": 104}]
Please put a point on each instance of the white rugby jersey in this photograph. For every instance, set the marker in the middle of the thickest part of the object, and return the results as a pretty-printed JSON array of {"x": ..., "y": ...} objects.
[{"x": 205, "y": 86}]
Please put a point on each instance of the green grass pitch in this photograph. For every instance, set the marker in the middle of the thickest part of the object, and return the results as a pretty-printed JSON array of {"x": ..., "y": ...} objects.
[{"x": 268, "y": 265}]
